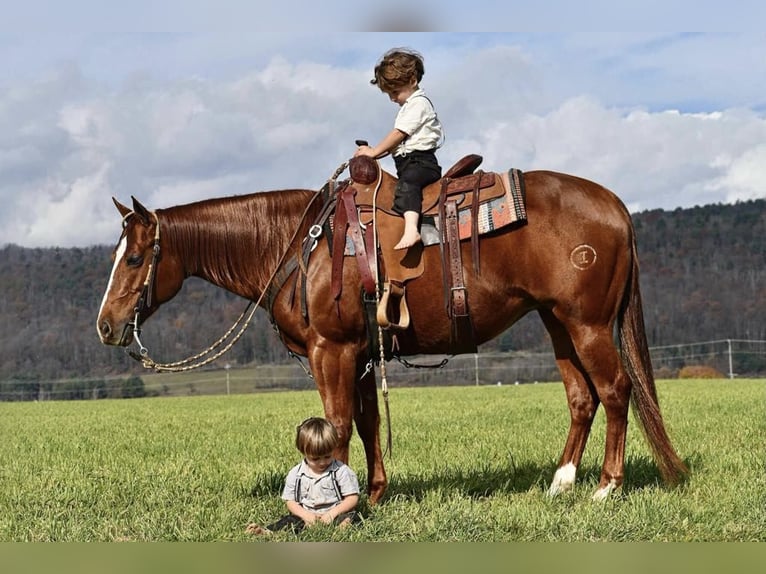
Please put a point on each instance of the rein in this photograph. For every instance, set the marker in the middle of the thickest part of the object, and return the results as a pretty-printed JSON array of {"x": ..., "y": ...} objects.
[{"x": 188, "y": 364}]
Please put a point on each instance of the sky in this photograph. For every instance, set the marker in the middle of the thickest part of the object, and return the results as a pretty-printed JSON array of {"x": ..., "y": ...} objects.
[{"x": 170, "y": 105}]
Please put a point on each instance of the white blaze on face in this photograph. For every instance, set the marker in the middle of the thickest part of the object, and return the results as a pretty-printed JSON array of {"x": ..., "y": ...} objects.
[{"x": 119, "y": 254}]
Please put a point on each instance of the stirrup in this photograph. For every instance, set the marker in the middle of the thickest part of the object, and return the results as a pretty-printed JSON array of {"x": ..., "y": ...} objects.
[{"x": 396, "y": 290}]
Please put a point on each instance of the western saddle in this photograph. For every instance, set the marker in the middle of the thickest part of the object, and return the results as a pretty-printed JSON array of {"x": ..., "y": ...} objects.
[{"x": 363, "y": 210}]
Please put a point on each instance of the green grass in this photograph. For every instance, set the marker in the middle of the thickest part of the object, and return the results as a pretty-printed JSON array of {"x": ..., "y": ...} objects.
[{"x": 468, "y": 464}]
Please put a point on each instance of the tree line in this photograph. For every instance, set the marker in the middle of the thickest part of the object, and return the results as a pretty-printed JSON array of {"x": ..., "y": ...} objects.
[{"x": 703, "y": 276}]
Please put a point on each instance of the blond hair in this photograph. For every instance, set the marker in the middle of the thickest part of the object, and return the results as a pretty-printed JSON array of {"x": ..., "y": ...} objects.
[
  {"x": 397, "y": 69},
  {"x": 316, "y": 437}
]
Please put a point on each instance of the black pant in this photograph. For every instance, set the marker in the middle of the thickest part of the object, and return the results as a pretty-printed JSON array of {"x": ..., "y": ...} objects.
[
  {"x": 415, "y": 170},
  {"x": 296, "y": 523}
]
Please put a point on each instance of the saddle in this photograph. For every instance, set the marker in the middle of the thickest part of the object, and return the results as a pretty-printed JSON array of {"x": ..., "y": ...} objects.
[
  {"x": 459, "y": 183},
  {"x": 450, "y": 212}
]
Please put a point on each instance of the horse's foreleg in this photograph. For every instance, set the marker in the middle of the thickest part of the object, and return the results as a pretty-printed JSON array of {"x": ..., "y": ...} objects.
[
  {"x": 367, "y": 417},
  {"x": 582, "y": 401},
  {"x": 335, "y": 369}
]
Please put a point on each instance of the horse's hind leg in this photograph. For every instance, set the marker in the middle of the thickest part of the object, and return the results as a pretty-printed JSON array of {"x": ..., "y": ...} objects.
[
  {"x": 582, "y": 400},
  {"x": 600, "y": 360},
  {"x": 367, "y": 418}
]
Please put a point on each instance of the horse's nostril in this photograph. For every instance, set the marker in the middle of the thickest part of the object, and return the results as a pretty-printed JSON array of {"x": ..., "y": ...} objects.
[{"x": 106, "y": 328}]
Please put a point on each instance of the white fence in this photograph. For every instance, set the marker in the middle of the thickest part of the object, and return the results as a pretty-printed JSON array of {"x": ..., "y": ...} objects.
[{"x": 731, "y": 357}]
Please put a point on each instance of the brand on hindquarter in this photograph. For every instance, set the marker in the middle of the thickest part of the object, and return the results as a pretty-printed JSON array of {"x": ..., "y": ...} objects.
[{"x": 582, "y": 257}]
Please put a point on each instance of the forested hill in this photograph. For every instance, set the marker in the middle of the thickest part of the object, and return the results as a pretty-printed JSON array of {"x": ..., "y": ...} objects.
[{"x": 703, "y": 277}]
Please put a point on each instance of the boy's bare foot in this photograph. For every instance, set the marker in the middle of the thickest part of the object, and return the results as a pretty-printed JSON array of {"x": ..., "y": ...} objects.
[
  {"x": 345, "y": 524},
  {"x": 409, "y": 239},
  {"x": 257, "y": 530}
]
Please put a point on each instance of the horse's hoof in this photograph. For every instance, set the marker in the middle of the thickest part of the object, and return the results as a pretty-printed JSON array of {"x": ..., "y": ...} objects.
[
  {"x": 563, "y": 480},
  {"x": 603, "y": 493}
]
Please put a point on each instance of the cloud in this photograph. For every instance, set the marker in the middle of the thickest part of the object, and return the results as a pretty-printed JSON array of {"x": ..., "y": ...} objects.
[
  {"x": 742, "y": 177},
  {"x": 68, "y": 142},
  {"x": 664, "y": 159}
]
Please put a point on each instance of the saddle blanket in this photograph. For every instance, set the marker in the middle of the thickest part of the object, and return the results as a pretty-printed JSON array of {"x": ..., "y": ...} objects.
[{"x": 492, "y": 215}]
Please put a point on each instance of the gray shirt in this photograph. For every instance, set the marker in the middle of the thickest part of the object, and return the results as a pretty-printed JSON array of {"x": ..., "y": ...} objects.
[{"x": 320, "y": 493}]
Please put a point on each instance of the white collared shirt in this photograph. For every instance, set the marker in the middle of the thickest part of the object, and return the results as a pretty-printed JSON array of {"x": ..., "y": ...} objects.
[{"x": 417, "y": 118}]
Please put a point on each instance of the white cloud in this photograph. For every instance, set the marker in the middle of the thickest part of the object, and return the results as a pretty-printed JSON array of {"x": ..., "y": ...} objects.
[
  {"x": 64, "y": 213},
  {"x": 743, "y": 177},
  {"x": 69, "y": 142},
  {"x": 665, "y": 159}
]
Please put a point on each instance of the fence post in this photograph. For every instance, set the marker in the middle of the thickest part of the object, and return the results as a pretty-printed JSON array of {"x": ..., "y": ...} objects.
[
  {"x": 476, "y": 367},
  {"x": 731, "y": 369}
]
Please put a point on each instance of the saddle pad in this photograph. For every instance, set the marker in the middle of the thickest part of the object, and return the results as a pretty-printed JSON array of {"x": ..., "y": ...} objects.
[{"x": 498, "y": 212}]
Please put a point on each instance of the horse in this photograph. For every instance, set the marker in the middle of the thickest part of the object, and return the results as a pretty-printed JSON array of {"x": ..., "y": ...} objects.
[{"x": 574, "y": 263}]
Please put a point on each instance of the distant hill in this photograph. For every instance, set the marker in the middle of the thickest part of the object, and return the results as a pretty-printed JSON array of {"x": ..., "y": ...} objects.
[{"x": 703, "y": 276}]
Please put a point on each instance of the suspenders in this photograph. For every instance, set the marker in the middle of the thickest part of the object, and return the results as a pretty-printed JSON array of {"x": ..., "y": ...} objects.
[
  {"x": 333, "y": 476},
  {"x": 443, "y": 135}
]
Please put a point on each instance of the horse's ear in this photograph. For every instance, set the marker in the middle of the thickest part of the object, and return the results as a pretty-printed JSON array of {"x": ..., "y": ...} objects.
[
  {"x": 123, "y": 209},
  {"x": 141, "y": 211}
]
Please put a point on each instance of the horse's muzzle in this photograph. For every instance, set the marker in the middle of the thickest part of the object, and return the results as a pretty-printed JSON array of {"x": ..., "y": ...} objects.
[{"x": 108, "y": 335}]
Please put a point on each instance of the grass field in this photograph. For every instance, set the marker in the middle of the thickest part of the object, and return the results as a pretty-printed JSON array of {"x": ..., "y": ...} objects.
[{"x": 468, "y": 464}]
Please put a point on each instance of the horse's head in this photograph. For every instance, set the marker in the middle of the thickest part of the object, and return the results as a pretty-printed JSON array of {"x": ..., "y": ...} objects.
[{"x": 142, "y": 276}]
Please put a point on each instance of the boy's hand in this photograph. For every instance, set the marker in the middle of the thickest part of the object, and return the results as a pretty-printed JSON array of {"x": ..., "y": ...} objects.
[
  {"x": 327, "y": 518},
  {"x": 364, "y": 150}
]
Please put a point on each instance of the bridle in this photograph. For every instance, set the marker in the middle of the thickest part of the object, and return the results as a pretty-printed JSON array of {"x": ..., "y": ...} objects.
[
  {"x": 145, "y": 299},
  {"x": 144, "y": 303}
]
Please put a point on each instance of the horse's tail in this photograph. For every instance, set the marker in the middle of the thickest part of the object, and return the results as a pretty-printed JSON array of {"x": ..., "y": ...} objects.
[{"x": 635, "y": 351}]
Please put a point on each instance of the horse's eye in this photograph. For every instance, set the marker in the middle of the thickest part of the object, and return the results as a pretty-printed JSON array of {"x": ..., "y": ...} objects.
[{"x": 134, "y": 260}]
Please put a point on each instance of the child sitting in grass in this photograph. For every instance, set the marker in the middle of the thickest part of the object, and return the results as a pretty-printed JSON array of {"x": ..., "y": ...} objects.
[{"x": 319, "y": 488}]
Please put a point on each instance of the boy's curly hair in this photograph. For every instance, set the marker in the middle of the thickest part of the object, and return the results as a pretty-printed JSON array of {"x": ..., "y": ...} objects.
[{"x": 397, "y": 69}]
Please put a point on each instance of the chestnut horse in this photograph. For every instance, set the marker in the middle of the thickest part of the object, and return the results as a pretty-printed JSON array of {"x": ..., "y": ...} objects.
[{"x": 574, "y": 263}]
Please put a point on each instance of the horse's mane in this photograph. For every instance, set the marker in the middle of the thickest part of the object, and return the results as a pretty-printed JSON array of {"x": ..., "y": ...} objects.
[{"x": 236, "y": 240}]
